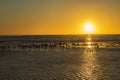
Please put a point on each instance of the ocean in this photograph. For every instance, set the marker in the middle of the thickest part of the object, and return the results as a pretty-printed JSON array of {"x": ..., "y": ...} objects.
[{"x": 63, "y": 57}]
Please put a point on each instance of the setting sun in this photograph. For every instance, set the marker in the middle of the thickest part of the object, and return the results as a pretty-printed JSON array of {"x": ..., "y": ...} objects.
[{"x": 89, "y": 28}]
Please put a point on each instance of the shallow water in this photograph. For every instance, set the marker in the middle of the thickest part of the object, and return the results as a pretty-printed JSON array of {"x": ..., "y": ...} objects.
[
  {"x": 83, "y": 63},
  {"x": 61, "y": 64}
]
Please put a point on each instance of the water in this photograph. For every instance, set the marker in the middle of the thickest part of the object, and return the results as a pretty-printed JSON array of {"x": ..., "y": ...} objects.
[{"x": 85, "y": 57}]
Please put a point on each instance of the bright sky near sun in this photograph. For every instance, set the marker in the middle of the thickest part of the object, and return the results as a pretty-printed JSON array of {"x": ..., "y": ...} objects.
[
  {"x": 88, "y": 28},
  {"x": 41, "y": 17}
]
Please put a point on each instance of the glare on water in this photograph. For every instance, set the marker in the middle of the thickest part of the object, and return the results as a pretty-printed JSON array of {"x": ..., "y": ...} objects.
[{"x": 90, "y": 63}]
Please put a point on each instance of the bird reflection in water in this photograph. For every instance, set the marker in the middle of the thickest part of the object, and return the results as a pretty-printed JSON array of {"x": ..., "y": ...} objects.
[{"x": 89, "y": 70}]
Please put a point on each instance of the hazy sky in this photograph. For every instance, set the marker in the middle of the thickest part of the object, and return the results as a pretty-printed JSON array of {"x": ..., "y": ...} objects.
[{"x": 26, "y": 17}]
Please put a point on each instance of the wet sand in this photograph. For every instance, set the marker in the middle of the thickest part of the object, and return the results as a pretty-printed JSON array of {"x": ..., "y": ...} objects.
[{"x": 61, "y": 64}]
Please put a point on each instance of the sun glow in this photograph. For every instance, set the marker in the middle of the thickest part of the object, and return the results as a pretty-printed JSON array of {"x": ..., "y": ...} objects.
[{"x": 89, "y": 28}]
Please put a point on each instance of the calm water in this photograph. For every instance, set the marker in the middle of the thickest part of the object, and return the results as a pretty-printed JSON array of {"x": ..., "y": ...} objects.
[{"x": 95, "y": 57}]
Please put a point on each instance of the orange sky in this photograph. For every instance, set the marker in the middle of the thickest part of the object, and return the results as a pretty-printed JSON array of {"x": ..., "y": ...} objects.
[{"x": 43, "y": 17}]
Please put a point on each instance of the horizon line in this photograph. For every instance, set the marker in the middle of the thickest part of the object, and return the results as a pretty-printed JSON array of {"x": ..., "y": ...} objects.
[{"x": 57, "y": 34}]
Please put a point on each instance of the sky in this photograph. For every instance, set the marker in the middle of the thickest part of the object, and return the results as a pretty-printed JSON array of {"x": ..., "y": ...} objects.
[{"x": 46, "y": 17}]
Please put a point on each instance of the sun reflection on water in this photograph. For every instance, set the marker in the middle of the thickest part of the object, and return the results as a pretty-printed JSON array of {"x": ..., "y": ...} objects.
[
  {"x": 90, "y": 63},
  {"x": 89, "y": 44}
]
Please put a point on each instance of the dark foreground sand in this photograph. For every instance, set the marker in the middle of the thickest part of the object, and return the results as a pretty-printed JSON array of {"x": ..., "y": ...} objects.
[{"x": 61, "y": 64}]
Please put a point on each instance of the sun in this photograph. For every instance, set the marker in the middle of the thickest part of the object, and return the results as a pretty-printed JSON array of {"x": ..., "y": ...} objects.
[{"x": 88, "y": 28}]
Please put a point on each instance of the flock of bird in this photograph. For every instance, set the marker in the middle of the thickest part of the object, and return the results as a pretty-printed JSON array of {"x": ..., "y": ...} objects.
[{"x": 38, "y": 45}]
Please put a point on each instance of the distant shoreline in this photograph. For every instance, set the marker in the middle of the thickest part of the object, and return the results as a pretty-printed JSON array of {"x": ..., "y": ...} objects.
[{"x": 60, "y": 35}]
